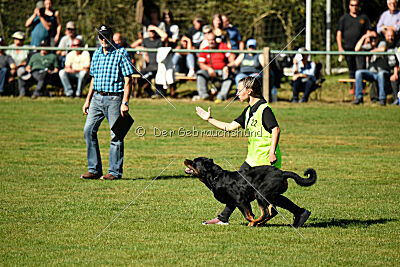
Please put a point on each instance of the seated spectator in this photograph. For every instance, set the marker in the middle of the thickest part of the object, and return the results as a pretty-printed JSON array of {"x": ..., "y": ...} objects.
[
  {"x": 379, "y": 66},
  {"x": 390, "y": 19},
  {"x": 42, "y": 65},
  {"x": 304, "y": 76},
  {"x": 206, "y": 30},
  {"x": 188, "y": 58},
  {"x": 221, "y": 35},
  {"x": 233, "y": 34},
  {"x": 66, "y": 40},
  {"x": 249, "y": 63},
  {"x": 214, "y": 65},
  {"x": 150, "y": 58},
  {"x": 171, "y": 29},
  {"x": 195, "y": 33},
  {"x": 7, "y": 68},
  {"x": 77, "y": 66},
  {"x": 20, "y": 57},
  {"x": 119, "y": 40},
  {"x": 154, "y": 21}
]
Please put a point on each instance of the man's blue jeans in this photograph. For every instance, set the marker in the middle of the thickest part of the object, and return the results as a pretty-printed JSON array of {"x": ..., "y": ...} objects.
[
  {"x": 66, "y": 78},
  {"x": 3, "y": 75},
  {"x": 381, "y": 76},
  {"x": 190, "y": 61},
  {"x": 103, "y": 107}
]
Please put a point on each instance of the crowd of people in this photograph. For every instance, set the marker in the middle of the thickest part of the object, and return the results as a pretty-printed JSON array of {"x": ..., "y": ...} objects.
[
  {"x": 70, "y": 69},
  {"x": 354, "y": 33}
]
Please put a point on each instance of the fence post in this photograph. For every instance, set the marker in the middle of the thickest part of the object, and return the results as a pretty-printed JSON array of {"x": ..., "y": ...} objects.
[{"x": 266, "y": 87}]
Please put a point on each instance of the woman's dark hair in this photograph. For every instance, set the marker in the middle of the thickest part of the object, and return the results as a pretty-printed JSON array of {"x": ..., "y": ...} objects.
[
  {"x": 254, "y": 84},
  {"x": 171, "y": 17}
]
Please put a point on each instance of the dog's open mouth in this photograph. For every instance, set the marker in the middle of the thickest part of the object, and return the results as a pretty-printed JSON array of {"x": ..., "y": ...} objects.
[{"x": 190, "y": 170}]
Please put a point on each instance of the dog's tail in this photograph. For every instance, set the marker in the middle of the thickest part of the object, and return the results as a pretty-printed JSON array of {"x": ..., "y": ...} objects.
[{"x": 311, "y": 173}]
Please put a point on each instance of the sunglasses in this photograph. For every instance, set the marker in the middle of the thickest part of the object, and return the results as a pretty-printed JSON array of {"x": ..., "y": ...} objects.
[
  {"x": 104, "y": 36},
  {"x": 354, "y": 5}
]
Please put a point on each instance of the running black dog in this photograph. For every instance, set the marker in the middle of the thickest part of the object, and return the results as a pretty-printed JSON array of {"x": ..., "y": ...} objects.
[{"x": 263, "y": 183}]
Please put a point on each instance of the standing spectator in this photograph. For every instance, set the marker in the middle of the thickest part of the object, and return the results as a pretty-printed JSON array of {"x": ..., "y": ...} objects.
[
  {"x": 350, "y": 28},
  {"x": 195, "y": 33},
  {"x": 77, "y": 65},
  {"x": 221, "y": 35},
  {"x": 188, "y": 58},
  {"x": 390, "y": 19},
  {"x": 171, "y": 29},
  {"x": 55, "y": 27},
  {"x": 20, "y": 57},
  {"x": 304, "y": 76},
  {"x": 41, "y": 66},
  {"x": 233, "y": 33},
  {"x": 66, "y": 40},
  {"x": 45, "y": 23},
  {"x": 213, "y": 65},
  {"x": 107, "y": 98},
  {"x": 249, "y": 63},
  {"x": 379, "y": 66},
  {"x": 7, "y": 67}
]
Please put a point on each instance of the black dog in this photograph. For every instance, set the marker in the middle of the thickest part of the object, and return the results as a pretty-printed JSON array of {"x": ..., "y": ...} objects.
[{"x": 263, "y": 183}]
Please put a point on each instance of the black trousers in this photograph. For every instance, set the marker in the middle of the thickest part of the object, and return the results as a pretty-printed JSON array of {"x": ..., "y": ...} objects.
[
  {"x": 355, "y": 63},
  {"x": 281, "y": 201}
]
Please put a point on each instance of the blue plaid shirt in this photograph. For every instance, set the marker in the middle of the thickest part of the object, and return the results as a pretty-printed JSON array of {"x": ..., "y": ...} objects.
[{"x": 109, "y": 70}]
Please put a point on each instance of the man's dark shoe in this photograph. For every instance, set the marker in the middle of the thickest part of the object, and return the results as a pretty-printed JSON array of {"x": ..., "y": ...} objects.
[
  {"x": 108, "y": 177},
  {"x": 91, "y": 176},
  {"x": 358, "y": 101},
  {"x": 382, "y": 102},
  {"x": 300, "y": 219}
]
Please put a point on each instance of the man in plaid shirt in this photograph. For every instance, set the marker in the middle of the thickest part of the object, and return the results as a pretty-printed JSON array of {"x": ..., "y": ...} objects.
[{"x": 108, "y": 97}]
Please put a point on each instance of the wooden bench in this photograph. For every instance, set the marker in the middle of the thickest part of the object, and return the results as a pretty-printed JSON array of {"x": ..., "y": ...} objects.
[{"x": 349, "y": 81}]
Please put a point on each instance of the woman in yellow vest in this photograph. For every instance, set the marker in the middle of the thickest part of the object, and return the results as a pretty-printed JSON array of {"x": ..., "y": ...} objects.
[{"x": 260, "y": 123}]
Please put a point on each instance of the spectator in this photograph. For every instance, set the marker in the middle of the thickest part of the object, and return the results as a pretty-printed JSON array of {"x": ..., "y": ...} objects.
[
  {"x": 304, "y": 76},
  {"x": 7, "y": 68},
  {"x": 213, "y": 65},
  {"x": 233, "y": 34},
  {"x": 119, "y": 40},
  {"x": 195, "y": 32},
  {"x": 350, "y": 28},
  {"x": 41, "y": 66},
  {"x": 45, "y": 23},
  {"x": 77, "y": 66},
  {"x": 188, "y": 58},
  {"x": 221, "y": 35},
  {"x": 249, "y": 63},
  {"x": 150, "y": 58},
  {"x": 390, "y": 19},
  {"x": 206, "y": 30},
  {"x": 155, "y": 21},
  {"x": 171, "y": 29},
  {"x": 20, "y": 57},
  {"x": 55, "y": 27},
  {"x": 379, "y": 66},
  {"x": 66, "y": 40}
]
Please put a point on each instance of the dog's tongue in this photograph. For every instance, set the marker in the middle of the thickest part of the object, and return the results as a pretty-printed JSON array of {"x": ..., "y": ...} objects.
[{"x": 188, "y": 170}]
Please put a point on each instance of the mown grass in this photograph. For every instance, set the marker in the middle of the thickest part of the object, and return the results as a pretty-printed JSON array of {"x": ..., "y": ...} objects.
[{"x": 50, "y": 216}]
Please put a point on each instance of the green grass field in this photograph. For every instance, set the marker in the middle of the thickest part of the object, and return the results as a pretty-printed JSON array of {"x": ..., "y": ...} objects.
[{"x": 49, "y": 216}]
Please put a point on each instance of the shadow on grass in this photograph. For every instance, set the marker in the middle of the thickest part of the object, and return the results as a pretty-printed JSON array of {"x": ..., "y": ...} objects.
[
  {"x": 343, "y": 223},
  {"x": 165, "y": 177}
]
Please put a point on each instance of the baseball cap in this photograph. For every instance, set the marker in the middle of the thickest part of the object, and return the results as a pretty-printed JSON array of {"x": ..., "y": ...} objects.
[
  {"x": 40, "y": 4},
  {"x": 104, "y": 30},
  {"x": 18, "y": 35},
  {"x": 251, "y": 42},
  {"x": 70, "y": 25}
]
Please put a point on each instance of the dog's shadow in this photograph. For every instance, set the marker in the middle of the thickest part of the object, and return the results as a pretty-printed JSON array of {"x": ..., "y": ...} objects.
[{"x": 343, "y": 223}]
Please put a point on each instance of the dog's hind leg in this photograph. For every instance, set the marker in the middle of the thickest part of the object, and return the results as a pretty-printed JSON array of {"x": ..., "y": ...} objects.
[
  {"x": 247, "y": 212},
  {"x": 267, "y": 213}
]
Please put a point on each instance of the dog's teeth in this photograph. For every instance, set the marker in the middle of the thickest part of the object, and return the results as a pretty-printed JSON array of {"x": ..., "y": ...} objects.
[{"x": 188, "y": 171}]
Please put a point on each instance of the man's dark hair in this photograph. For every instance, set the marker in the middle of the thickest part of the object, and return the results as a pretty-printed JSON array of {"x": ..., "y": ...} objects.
[{"x": 254, "y": 84}]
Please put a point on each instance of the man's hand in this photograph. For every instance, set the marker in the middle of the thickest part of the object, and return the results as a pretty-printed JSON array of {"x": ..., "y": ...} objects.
[
  {"x": 203, "y": 114},
  {"x": 394, "y": 77},
  {"x": 85, "y": 107},
  {"x": 211, "y": 72},
  {"x": 124, "y": 109},
  {"x": 272, "y": 158}
]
